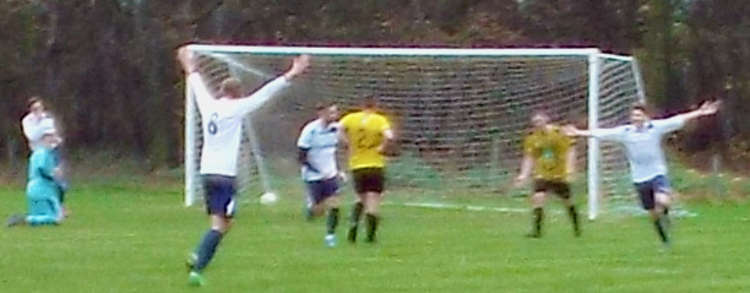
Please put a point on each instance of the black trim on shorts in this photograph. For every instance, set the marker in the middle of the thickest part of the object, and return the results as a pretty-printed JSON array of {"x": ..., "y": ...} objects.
[
  {"x": 562, "y": 189},
  {"x": 370, "y": 179}
]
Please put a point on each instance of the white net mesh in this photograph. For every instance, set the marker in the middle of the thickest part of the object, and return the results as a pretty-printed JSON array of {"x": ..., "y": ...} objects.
[{"x": 459, "y": 120}]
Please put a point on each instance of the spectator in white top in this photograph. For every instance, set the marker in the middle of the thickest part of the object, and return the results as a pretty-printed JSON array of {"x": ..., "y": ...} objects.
[
  {"x": 642, "y": 141},
  {"x": 222, "y": 128},
  {"x": 317, "y": 145}
]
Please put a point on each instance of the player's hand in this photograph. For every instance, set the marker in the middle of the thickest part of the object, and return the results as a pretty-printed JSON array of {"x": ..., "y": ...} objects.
[
  {"x": 342, "y": 177},
  {"x": 186, "y": 58},
  {"x": 519, "y": 181},
  {"x": 299, "y": 65},
  {"x": 570, "y": 130},
  {"x": 709, "y": 108}
]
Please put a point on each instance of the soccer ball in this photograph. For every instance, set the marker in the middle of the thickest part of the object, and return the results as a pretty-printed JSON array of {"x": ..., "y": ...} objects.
[{"x": 268, "y": 198}]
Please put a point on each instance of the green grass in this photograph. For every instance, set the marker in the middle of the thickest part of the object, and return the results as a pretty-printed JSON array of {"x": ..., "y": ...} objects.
[{"x": 128, "y": 236}]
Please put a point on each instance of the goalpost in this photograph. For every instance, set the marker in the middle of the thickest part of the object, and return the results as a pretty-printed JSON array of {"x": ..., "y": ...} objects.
[{"x": 459, "y": 114}]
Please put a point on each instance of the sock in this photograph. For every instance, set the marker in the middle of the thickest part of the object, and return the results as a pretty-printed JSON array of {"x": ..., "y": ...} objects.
[
  {"x": 333, "y": 220},
  {"x": 538, "y": 216},
  {"x": 372, "y": 225},
  {"x": 354, "y": 221},
  {"x": 206, "y": 249},
  {"x": 660, "y": 229},
  {"x": 574, "y": 219},
  {"x": 356, "y": 213}
]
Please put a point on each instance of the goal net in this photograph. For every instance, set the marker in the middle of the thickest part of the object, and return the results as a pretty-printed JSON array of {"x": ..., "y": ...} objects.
[{"x": 459, "y": 114}]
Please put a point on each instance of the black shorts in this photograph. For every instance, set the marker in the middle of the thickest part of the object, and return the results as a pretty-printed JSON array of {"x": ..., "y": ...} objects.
[
  {"x": 647, "y": 189},
  {"x": 562, "y": 189},
  {"x": 219, "y": 190},
  {"x": 369, "y": 180},
  {"x": 319, "y": 190}
]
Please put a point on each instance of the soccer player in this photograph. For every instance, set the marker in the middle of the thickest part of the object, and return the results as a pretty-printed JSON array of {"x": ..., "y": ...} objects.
[
  {"x": 551, "y": 155},
  {"x": 317, "y": 145},
  {"x": 33, "y": 125},
  {"x": 222, "y": 129},
  {"x": 42, "y": 191},
  {"x": 648, "y": 169},
  {"x": 368, "y": 135}
]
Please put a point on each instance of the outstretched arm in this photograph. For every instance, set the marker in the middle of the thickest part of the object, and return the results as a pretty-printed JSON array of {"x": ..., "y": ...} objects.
[
  {"x": 707, "y": 108},
  {"x": 195, "y": 81},
  {"x": 678, "y": 121},
  {"x": 269, "y": 90},
  {"x": 613, "y": 134},
  {"x": 527, "y": 164}
]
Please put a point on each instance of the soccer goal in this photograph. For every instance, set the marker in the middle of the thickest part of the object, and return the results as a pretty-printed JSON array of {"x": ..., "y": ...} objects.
[{"x": 459, "y": 114}]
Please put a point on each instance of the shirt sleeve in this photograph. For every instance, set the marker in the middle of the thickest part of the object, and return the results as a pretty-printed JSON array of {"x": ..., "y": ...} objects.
[
  {"x": 31, "y": 130},
  {"x": 304, "y": 141},
  {"x": 613, "y": 134},
  {"x": 200, "y": 91},
  {"x": 258, "y": 98},
  {"x": 669, "y": 124},
  {"x": 384, "y": 124}
]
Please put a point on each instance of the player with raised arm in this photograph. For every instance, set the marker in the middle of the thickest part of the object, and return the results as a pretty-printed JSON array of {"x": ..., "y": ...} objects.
[
  {"x": 551, "y": 156},
  {"x": 648, "y": 169},
  {"x": 317, "y": 145},
  {"x": 222, "y": 128},
  {"x": 368, "y": 135}
]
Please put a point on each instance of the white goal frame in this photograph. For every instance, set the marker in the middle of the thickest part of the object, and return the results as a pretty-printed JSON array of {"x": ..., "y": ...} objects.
[{"x": 594, "y": 55}]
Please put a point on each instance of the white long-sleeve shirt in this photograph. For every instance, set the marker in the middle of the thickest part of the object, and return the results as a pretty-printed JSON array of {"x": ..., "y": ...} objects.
[
  {"x": 33, "y": 127},
  {"x": 642, "y": 146},
  {"x": 222, "y": 123}
]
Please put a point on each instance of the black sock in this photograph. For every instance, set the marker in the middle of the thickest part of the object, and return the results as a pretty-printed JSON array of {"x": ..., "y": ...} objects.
[
  {"x": 207, "y": 248},
  {"x": 354, "y": 221},
  {"x": 666, "y": 211},
  {"x": 660, "y": 229},
  {"x": 574, "y": 219},
  {"x": 538, "y": 216},
  {"x": 356, "y": 213},
  {"x": 372, "y": 226},
  {"x": 333, "y": 220}
]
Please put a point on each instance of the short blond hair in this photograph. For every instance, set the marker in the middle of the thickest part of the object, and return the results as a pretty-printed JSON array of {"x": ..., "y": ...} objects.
[{"x": 231, "y": 85}]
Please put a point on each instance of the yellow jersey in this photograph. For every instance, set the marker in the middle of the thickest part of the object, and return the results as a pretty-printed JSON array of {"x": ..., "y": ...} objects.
[
  {"x": 549, "y": 150},
  {"x": 365, "y": 134}
]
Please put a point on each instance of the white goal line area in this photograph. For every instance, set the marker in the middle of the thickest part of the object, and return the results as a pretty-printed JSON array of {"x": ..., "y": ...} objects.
[{"x": 460, "y": 114}]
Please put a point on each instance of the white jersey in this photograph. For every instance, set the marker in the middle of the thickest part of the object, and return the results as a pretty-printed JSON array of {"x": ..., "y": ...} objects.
[
  {"x": 320, "y": 141},
  {"x": 643, "y": 146},
  {"x": 34, "y": 127},
  {"x": 222, "y": 123}
]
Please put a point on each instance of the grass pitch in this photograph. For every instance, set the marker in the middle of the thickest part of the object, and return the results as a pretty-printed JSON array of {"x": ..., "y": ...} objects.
[{"x": 132, "y": 235}]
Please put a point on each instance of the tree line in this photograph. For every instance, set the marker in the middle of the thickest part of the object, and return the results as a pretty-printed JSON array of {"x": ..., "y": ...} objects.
[{"x": 107, "y": 68}]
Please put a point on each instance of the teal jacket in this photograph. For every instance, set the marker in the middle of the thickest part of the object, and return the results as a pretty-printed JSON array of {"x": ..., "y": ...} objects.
[{"x": 41, "y": 174}]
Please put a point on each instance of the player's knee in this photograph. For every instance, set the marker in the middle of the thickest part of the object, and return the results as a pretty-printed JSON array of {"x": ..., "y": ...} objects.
[
  {"x": 538, "y": 198},
  {"x": 663, "y": 199}
]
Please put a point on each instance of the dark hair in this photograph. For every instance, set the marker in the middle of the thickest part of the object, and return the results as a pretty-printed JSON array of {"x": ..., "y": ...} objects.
[{"x": 33, "y": 100}]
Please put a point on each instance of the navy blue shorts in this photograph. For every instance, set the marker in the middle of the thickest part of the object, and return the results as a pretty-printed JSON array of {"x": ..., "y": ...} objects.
[
  {"x": 219, "y": 197},
  {"x": 319, "y": 190},
  {"x": 647, "y": 189}
]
